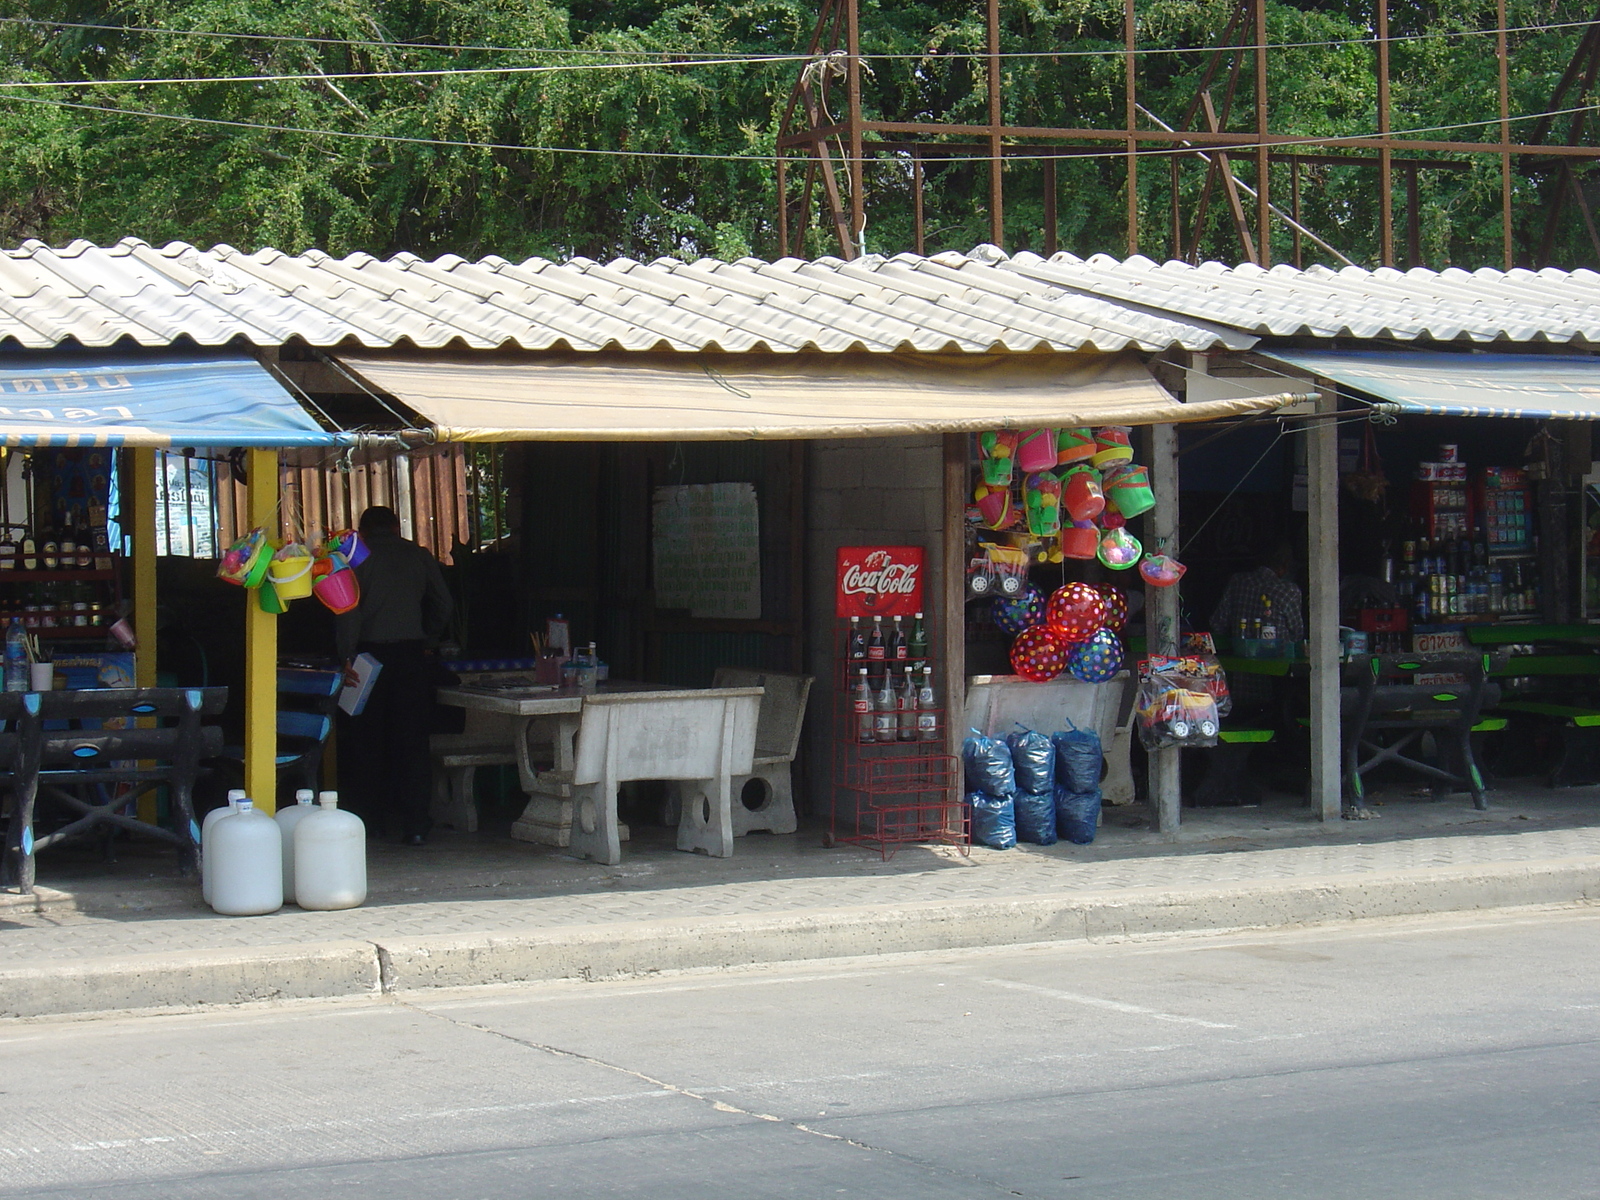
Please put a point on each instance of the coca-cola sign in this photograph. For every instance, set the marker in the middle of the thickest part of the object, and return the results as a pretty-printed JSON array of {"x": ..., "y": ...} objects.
[{"x": 884, "y": 581}]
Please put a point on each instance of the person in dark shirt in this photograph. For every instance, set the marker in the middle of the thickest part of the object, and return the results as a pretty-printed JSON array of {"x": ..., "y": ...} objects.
[{"x": 385, "y": 765}]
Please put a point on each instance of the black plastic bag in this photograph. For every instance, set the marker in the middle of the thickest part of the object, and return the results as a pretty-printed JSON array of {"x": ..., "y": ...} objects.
[
  {"x": 1078, "y": 759},
  {"x": 1077, "y": 815},
  {"x": 987, "y": 763},
  {"x": 1036, "y": 817},
  {"x": 1034, "y": 760},
  {"x": 994, "y": 821}
]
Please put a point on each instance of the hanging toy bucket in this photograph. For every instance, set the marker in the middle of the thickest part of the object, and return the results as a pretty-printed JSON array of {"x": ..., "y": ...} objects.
[
  {"x": 1113, "y": 445},
  {"x": 1119, "y": 549},
  {"x": 1079, "y": 540},
  {"x": 1074, "y": 445},
  {"x": 1081, "y": 496},
  {"x": 247, "y": 560},
  {"x": 1161, "y": 570},
  {"x": 1036, "y": 450},
  {"x": 1129, "y": 489},
  {"x": 290, "y": 572},
  {"x": 994, "y": 506},
  {"x": 338, "y": 587},
  {"x": 269, "y": 599},
  {"x": 350, "y": 544}
]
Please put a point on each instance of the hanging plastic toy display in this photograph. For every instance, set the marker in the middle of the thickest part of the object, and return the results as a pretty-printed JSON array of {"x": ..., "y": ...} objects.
[
  {"x": 1119, "y": 549},
  {"x": 1081, "y": 495},
  {"x": 1039, "y": 654},
  {"x": 998, "y": 450},
  {"x": 1098, "y": 659},
  {"x": 1041, "y": 495},
  {"x": 1161, "y": 570},
  {"x": 1075, "y": 611}
]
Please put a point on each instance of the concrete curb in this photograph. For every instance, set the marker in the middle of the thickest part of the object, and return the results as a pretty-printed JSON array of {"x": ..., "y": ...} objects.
[{"x": 190, "y": 979}]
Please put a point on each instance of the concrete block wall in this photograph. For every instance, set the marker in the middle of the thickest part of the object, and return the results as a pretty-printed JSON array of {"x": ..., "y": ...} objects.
[{"x": 861, "y": 491}]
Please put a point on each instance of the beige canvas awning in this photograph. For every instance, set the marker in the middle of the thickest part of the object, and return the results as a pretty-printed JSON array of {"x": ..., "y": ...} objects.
[{"x": 727, "y": 397}]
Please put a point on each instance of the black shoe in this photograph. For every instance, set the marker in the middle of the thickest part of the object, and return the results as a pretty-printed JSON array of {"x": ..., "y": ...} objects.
[{"x": 414, "y": 839}]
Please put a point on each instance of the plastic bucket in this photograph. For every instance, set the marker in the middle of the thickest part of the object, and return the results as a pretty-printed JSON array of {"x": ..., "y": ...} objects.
[
  {"x": 1074, "y": 445},
  {"x": 1081, "y": 496},
  {"x": 291, "y": 573},
  {"x": 1129, "y": 490},
  {"x": 351, "y": 545},
  {"x": 338, "y": 589},
  {"x": 1079, "y": 541},
  {"x": 1036, "y": 451},
  {"x": 269, "y": 599},
  {"x": 1113, "y": 445}
]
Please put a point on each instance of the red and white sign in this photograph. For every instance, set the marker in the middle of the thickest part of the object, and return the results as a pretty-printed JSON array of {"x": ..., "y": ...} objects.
[{"x": 879, "y": 581}]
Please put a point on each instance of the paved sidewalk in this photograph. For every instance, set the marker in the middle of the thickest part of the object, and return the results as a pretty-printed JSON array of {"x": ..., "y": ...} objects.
[{"x": 478, "y": 892}]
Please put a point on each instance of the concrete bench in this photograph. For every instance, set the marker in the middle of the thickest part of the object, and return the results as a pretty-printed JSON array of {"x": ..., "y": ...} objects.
[{"x": 783, "y": 712}]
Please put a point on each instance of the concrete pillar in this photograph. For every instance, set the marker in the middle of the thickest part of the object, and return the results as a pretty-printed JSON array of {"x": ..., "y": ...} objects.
[
  {"x": 143, "y": 528},
  {"x": 1161, "y": 613},
  {"x": 1322, "y": 619}
]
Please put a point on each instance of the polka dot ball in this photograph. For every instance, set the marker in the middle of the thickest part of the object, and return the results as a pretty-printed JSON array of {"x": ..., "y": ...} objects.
[{"x": 1039, "y": 654}]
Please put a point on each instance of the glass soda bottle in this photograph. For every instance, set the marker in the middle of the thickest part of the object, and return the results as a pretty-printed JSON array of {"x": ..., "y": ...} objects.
[
  {"x": 927, "y": 709},
  {"x": 897, "y": 642},
  {"x": 875, "y": 644},
  {"x": 917, "y": 651},
  {"x": 885, "y": 723},
  {"x": 858, "y": 641},
  {"x": 861, "y": 702},
  {"x": 907, "y": 708}
]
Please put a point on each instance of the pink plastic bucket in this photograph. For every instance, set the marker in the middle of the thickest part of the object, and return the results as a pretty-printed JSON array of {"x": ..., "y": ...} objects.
[{"x": 338, "y": 589}]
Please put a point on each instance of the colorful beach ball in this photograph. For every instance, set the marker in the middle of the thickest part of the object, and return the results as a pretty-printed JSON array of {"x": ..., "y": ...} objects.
[
  {"x": 1116, "y": 606},
  {"x": 1075, "y": 611},
  {"x": 1013, "y": 614},
  {"x": 1096, "y": 660},
  {"x": 1039, "y": 654}
]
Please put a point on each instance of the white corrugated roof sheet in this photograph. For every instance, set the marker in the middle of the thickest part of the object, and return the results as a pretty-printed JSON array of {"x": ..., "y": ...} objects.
[
  {"x": 977, "y": 302},
  {"x": 95, "y": 296},
  {"x": 1319, "y": 302}
]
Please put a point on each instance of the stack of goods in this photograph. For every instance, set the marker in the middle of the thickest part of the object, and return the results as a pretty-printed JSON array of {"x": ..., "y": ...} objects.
[
  {"x": 1078, "y": 761},
  {"x": 1033, "y": 788},
  {"x": 1075, "y": 631},
  {"x": 991, "y": 786}
]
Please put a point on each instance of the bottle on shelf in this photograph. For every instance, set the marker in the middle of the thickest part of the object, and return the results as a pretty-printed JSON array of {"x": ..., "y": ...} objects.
[
  {"x": 885, "y": 723},
  {"x": 857, "y": 646},
  {"x": 49, "y": 551},
  {"x": 29, "y": 552},
  {"x": 861, "y": 703},
  {"x": 898, "y": 650},
  {"x": 906, "y": 708},
  {"x": 876, "y": 647},
  {"x": 16, "y": 656},
  {"x": 917, "y": 650},
  {"x": 927, "y": 709}
]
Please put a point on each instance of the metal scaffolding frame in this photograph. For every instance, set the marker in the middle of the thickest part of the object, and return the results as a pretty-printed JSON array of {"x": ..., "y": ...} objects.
[{"x": 821, "y": 146}]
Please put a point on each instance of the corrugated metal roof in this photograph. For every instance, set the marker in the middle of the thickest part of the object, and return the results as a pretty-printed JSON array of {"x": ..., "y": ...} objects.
[
  {"x": 973, "y": 303},
  {"x": 1450, "y": 305}
]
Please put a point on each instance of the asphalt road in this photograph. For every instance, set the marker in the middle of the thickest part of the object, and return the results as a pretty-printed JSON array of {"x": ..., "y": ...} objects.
[{"x": 1452, "y": 1057}]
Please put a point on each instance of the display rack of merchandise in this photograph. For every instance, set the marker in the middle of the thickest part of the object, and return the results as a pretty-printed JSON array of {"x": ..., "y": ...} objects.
[{"x": 893, "y": 783}]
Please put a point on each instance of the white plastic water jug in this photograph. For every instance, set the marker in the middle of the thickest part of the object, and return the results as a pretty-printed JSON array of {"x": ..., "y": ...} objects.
[
  {"x": 212, "y": 817},
  {"x": 330, "y": 857},
  {"x": 247, "y": 861},
  {"x": 288, "y": 817}
]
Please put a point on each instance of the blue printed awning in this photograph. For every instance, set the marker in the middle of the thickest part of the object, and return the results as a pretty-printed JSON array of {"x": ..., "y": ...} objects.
[
  {"x": 200, "y": 400},
  {"x": 1441, "y": 384}
]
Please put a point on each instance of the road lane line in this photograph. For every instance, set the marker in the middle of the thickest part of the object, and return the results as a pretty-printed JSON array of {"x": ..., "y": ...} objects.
[{"x": 1100, "y": 1002}]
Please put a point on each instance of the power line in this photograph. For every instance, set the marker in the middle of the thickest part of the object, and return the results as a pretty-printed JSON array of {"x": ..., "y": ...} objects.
[
  {"x": 1117, "y": 51},
  {"x": 325, "y": 76},
  {"x": 1275, "y": 143}
]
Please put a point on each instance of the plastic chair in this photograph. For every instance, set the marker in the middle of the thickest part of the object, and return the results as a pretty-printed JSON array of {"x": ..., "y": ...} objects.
[{"x": 783, "y": 713}]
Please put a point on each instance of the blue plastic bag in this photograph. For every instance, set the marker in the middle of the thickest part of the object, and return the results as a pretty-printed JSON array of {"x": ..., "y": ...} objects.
[
  {"x": 1036, "y": 817},
  {"x": 994, "y": 821},
  {"x": 1077, "y": 815},
  {"x": 1078, "y": 759},
  {"x": 987, "y": 764},
  {"x": 1033, "y": 758}
]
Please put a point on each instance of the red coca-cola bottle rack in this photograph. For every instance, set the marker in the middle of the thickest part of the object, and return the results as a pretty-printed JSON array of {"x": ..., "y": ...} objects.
[{"x": 896, "y": 789}]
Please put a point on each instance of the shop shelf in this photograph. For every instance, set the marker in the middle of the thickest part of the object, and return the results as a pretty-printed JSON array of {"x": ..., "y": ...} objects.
[
  {"x": 902, "y": 775},
  {"x": 73, "y": 576}
]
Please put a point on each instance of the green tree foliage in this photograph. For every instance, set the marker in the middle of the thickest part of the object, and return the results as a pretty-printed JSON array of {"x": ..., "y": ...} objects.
[{"x": 266, "y": 162}]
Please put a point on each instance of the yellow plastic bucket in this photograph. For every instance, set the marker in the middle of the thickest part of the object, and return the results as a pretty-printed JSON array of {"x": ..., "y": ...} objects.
[{"x": 290, "y": 572}]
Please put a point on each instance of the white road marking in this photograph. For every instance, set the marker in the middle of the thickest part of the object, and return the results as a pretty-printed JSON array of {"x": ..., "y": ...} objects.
[{"x": 1101, "y": 1002}]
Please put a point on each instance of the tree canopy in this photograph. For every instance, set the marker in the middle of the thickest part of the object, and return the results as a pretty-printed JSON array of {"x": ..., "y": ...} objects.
[{"x": 450, "y": 126}]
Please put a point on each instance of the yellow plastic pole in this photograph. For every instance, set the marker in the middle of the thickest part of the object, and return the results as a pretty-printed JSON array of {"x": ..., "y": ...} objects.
[
  {"x": 261, "y": 652},
  {"x": 143, "y": 497}
]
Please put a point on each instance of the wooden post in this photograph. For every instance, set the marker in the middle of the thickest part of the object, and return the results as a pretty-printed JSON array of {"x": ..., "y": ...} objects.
[
  {"x": 1161, "y": 612},
  {"x": 951, "y": 633},
  {"x": 261, "y": 652},
  {"x": 1322, "y": 623},
  {"x": 142, "y": 495}
]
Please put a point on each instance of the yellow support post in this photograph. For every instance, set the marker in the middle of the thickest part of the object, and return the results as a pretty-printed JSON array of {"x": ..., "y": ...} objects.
[
  {"x": 261, "y": 652},
  {"x": 142, "y": 496}
]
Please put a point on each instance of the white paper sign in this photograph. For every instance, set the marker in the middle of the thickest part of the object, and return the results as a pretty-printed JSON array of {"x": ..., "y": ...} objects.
[{"x": 707, "y": 546}]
